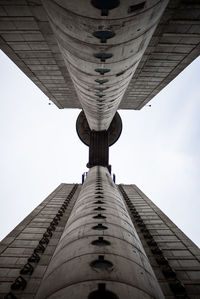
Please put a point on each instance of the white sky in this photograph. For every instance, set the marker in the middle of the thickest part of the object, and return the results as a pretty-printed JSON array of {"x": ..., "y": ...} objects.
[{"x": 159, "y": 149}]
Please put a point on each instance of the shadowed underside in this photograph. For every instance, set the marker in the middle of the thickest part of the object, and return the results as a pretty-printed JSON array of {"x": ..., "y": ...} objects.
[{"x": 27, "y": 38}]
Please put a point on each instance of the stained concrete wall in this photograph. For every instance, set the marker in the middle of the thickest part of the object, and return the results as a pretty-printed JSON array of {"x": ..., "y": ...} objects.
[{"x": 174, "y": 257}]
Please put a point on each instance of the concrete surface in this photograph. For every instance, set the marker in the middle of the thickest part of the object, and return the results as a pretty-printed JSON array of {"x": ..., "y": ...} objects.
[
  {"x": 27, "y": 38},
  {"x": 99, "y": 248}
]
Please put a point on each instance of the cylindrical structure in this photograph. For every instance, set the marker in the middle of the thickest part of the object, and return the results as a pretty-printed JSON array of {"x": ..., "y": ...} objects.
[
  {"x": 102, "y": 43},
  {"x": 99, "y": 254},
  {"x": 99, "y": 149}
]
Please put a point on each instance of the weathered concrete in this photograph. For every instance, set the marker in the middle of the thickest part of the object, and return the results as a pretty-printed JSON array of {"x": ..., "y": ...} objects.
[
  {"x": 174, "y": 45},
  {"x": 27, "y": 38},
  {"x": 25, "y": 253},
  {"x": 174, "y": 258},
  {"x": 84, "y": 35},
  {"x": 99, "y": 250}
]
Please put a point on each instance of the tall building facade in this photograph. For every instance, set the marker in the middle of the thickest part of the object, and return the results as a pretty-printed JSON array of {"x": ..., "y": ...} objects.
[{"x": 98, "y": 240}]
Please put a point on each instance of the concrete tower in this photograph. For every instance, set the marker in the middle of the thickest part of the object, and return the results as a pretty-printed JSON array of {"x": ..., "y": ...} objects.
[{"x": 99, "y": 240}]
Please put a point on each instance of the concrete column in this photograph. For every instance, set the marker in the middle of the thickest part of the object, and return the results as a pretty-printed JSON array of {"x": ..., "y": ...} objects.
[
  {"x": 99, "y": 254},
  {"x": 102, "y": 51},
  {"x": 98, "y": 149}
]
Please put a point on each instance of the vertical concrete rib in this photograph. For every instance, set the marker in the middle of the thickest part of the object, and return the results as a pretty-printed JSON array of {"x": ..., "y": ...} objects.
[
  {"x": 102, "y": 51},
  {"x": 99, "y": 254}
]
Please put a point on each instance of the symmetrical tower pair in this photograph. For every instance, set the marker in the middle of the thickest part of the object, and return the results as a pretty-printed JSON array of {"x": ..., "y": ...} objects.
[{"x": 99, "y": 240}]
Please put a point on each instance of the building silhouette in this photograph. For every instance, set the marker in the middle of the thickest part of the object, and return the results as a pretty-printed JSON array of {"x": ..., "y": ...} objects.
[{"x": 98, "y": 239}]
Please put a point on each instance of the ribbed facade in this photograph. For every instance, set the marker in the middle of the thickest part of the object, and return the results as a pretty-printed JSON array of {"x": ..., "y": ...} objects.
[
  {"x": 26, "y": 252},
  {"x": 99, "y": 249},
  {"x": 98, "y": 240},
  {"x": 174, "y": 258}
]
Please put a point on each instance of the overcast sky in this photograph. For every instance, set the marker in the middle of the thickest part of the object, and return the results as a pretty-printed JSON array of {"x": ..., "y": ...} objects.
[{"x": 159, "y": 149}]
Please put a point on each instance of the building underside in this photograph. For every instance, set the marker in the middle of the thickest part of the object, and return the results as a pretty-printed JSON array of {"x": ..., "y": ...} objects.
[
  {"x": 152, "y": 43},
  {"x": 98, "y": 239}
]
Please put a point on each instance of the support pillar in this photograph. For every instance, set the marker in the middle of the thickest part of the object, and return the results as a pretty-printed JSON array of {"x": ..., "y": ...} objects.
[{"x": 99, "y": 149}]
